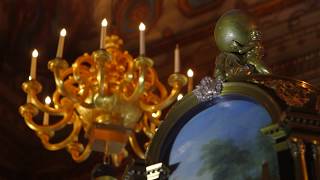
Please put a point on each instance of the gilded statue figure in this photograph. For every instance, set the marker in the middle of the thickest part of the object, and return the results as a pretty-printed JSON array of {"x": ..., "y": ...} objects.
[{"x": 239, "y": 41}]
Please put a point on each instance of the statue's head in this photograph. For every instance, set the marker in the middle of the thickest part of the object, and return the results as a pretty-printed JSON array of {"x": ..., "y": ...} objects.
[{"x": 235, "y": 30}]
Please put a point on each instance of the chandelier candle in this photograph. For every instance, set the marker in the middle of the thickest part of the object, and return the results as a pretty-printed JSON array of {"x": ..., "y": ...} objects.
[
  {"x": 142, "y": 44},
  {"x": 63, "y": 33},
  {"x": 28, "y": 97},
  {"x": 33, "y": 68},
  {"x": 190, "y": 80},
  {"x": 177, "y": 59},
  {"x": 103, "y": 32},
  {"x": 45, "y": 114}
]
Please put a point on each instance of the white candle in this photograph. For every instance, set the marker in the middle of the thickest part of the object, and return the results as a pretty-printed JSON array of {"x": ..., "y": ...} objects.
[
  {"x": 190, "y": 80},
  {"x": 46, "y": 115},
  {"x": 63, "y": 33},
  {"x": 33, "y": 68},
  {"x": 103, "y": 33},
  {"x": 28, "y": 96},
  {"x": 142, "y": 44},
  {"x": 177, "y": 59}
]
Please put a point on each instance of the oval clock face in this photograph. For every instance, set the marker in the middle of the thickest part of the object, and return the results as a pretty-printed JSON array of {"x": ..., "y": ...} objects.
[{"x": 221, "y": 139}]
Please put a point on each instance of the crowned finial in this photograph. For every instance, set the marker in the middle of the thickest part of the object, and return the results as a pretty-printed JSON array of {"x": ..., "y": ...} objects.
[{"x": 113, "y": 41}]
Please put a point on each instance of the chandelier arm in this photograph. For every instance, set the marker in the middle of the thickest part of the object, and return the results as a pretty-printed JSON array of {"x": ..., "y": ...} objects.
[
  {"x": 163, "y": 104},
  {"x": 47, "y": 128},
  {"x": 32, "y": 125},
  {"x": 79, "y": 69},
  {"x": 61, "y": 102},
  {"x": 146, "y": 127},
  {"x": 176, "y": 81},
  {"x": 75, "y": 153},
  {"x": 44, "y": 108},
  {"x": 162, "y": 89},
  {"x": 142, "y": 68},
  {"x": 155, "y": 82},
  {"x": 69, "y": 84},
  {"x": 62, "y": 90},
  {"x": 152, "y": 75},
  {"x": 56, "y": 99},
  {"x": 60, "y": 145},
  {"x": 136, "y": 147},
  {"x": 32, "y": 88}
]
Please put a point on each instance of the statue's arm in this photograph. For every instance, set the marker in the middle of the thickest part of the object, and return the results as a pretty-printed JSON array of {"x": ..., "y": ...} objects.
[
  {"x": 219, "y": 71},
  {"x": 254, "y": 57}
]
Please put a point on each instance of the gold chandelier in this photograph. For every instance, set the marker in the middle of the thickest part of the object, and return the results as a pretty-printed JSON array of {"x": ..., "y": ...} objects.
[{"x": 106, "y": 98}]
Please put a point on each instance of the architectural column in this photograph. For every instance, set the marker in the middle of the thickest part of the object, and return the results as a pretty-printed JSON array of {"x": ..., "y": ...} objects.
[
  {"x": 297, "y": 148},
  {"x": 316, "y": 159}
]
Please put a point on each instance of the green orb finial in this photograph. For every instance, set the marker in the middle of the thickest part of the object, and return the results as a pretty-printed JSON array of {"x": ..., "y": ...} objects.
[
  {"x": 235, "y": 26},
  {"x": 239, "y": 41}
]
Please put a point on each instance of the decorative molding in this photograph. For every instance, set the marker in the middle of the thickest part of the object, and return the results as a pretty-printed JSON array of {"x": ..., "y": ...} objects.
[{"x": 302, "y": 121}]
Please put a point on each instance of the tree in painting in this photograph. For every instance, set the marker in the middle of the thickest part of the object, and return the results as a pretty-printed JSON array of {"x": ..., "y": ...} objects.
[{"x": 225, "y": 160}]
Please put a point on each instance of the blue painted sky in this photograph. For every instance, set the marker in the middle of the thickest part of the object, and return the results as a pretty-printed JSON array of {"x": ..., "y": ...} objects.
[{"x": 239, "y": 120}]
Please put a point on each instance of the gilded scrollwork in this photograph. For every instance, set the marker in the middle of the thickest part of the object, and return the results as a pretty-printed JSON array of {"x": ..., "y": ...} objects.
[{"x": 293, "y": 93}]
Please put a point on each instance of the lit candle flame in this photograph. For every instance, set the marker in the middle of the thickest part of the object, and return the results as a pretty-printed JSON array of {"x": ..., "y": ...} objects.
[
  {"x": 179, "y": 97},
  {"x": 63, "y": 32},
  {"x": 104, "y": 22},
  {"x": 35, "y": 53},
  {"x": 156, "y": 114},
  {"x": 47, "y": 100},
  {"x": 190, "y": 73},
  {"x": 142, "y": 27}
]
